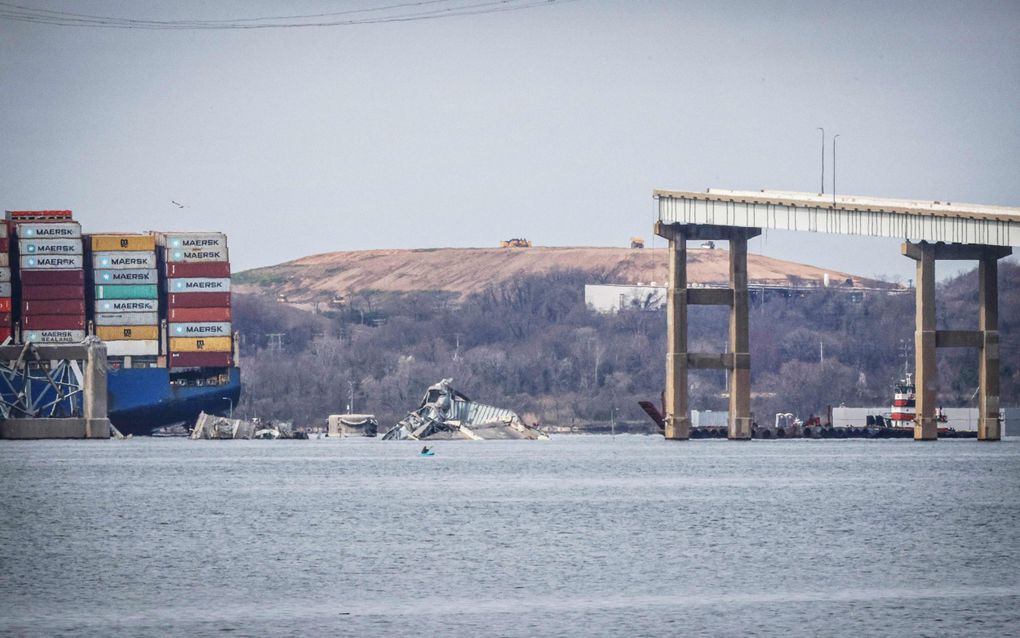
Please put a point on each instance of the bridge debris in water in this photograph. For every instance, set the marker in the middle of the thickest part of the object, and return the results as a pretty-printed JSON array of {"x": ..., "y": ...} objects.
[
  {"x": 349, "y": 425},
  {"x": 210, "y": 426},
  {"x": 445, "y": 413}
]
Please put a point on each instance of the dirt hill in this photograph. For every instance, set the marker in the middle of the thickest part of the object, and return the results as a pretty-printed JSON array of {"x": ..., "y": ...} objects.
[{"x": 467, "y": 270}]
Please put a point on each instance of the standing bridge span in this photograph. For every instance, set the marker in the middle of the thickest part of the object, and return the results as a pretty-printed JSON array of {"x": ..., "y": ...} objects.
[{"x": 930, "y": 230}]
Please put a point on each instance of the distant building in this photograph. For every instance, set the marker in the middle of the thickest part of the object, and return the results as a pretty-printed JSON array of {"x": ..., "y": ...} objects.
[{"x": 610, "y": 298}]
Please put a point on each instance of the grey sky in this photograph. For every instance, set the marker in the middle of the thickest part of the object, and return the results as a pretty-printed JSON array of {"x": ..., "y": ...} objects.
[{"x": 554, "y": 123}]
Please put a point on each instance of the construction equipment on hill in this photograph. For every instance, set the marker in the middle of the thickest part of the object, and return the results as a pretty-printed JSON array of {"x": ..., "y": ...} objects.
[
  {"x": 516, "y": 242},
  {"x": 637, "y": 242}
]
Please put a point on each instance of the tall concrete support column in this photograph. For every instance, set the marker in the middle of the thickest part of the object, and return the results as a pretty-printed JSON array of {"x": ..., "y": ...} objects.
[
  {"x": 94, "y": 404},
  {"x": 989, "y": 426},
  {"x": 926, "y": 382},
  {"x": 740, "y": 370},
  {"x": 985, "y": 338},
  {"x": 677, "y": 417},
  {"x": 737, "y": 361}
]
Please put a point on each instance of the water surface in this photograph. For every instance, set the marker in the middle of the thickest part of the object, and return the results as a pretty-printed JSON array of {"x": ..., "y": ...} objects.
[{"x": 577, "y": 536}]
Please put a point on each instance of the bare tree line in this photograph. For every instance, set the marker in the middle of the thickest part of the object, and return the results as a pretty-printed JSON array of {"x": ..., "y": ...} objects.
[{"x": 531, "y": 344}]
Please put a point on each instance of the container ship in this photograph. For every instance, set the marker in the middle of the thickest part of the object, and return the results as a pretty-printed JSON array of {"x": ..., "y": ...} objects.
[{"x": 160, "y": 301}]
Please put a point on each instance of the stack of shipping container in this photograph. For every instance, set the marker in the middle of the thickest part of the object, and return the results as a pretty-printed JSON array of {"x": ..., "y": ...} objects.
[
  {"x": 197, "y": 269},
  {"x": 125, "y": 286},
  {"x": 50, "y": 282},
  {"x": 156, "y": 299},
  {"x": 6, "y": 306}
]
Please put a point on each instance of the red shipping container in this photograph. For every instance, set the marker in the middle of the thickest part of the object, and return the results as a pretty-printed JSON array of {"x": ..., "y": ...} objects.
[
  {"x": 192, "y": 315},
  {"x": 5, "y": 245},
  {"x": 5, "y": 334},
  {"x": 33, "y": 293},
  {"x": 43, "y": 215},
  {"x": 52, "y": 278},
  {"x": 53, "y": 307},
  {"x": 198, "y": 300},
  {"x": 201, "y": 359},
  {"x": 5, "y": 304},
  {"x": 53, "y": 322},
  {"x": 212, "y": 269},
  {"x": 5, "y": 320}
]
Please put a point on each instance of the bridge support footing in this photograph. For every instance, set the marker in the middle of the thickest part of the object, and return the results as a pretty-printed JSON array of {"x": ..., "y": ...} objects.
[
  {"x": 31, "y": 422},
  {"x": 60, "y": 428}
]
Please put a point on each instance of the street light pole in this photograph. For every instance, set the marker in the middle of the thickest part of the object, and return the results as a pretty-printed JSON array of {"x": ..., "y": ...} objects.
[
  {"x": 350, "y": 405},
  {"x": 834, "y": 168},
  {"x": 823, "y": 158},
  {"x": 231, "y": 406}
]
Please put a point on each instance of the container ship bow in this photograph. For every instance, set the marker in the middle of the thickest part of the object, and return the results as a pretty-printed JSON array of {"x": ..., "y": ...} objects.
[{"x": 159, "y": 301}]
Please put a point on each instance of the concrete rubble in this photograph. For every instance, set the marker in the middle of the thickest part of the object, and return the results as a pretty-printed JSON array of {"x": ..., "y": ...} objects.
[
  {"x": 350, "y": 425},
  {"x": 210, "y": 426},
  {"x": 445, "y": 413}
]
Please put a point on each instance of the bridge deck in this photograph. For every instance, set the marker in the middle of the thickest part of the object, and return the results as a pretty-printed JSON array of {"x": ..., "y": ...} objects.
[{"x": 849, "y": 215}]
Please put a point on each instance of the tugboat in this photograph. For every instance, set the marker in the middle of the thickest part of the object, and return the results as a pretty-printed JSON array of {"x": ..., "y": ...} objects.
[
  {"x": 903, "y": 411},
  {"x": 903, "y": 408}
]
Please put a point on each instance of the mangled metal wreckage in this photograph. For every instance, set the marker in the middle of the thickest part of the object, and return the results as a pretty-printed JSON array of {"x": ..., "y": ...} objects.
[
  {"x": 445, "y": 413},
  {"x": 210, "y": 426}
]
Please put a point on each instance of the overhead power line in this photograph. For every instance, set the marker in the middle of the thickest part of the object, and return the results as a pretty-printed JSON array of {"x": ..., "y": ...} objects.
[
  {"x": 307, "y": 16},
  {"x": 401, "y": 12}
]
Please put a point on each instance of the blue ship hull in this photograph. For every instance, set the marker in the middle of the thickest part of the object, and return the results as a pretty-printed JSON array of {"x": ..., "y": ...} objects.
[{"x": 142, "y": 399}]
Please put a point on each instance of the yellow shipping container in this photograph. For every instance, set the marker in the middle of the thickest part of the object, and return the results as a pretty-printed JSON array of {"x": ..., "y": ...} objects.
[
  {"x": 123, "y": 242},
  {"x": 132, "y": 333},
  {"x": 204, "y": 344}
]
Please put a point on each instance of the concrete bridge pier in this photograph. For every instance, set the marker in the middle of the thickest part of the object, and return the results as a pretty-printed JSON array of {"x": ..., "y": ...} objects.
[
  {"x": 737, "y": 362},
  {"x": 927, "y": 338},
  {"x": 678, "y": 416},
  {"x": 28, "y": 421},
  {"x": 94, "y": 404}
]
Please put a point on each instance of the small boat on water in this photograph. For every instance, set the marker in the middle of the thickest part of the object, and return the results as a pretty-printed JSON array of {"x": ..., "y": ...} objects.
[
  {"x": 904, "y": 409},
  {"x": 902, "y": 413}
]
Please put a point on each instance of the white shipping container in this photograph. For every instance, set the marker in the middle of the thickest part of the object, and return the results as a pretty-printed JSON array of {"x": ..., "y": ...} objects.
[
  {"x": 219, "y": 329},
  {"x": 54, "y": 336},
  {"x": 124, "y": 259},
  {"x": 5, "y": 259},
  {"x": 48, "y": 230},
  {"x": 131, "y": 348},
  {"x": 192, "y": 255},
  {"x": 198, "y": 284},
  {"x": 51, "y": 262},
  {"x": 5, "y": 274},
  {"x": 5, "y": 289},
  {"x": 127, "y": 319},
  {"x": 3, "y": 231},
  {"x": 49, "y": 246},
  {"x": 193, "y": 241},
  {"x": 127, "y": 305},
  {"x": 126, "y": 276}
]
